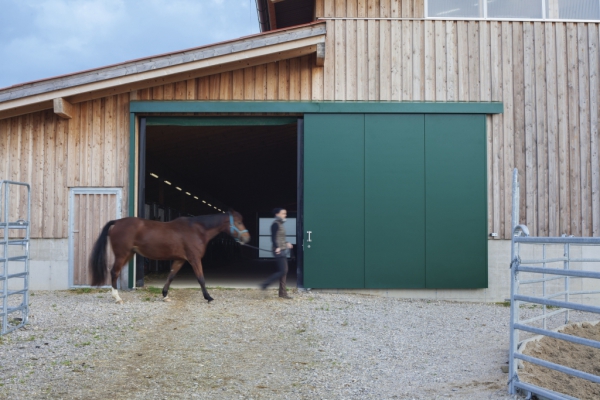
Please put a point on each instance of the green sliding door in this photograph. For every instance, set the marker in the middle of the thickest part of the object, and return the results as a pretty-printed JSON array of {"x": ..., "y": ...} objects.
[
  {"x": 456, "y": 201},
  {"x": 394, "y": 201},
  {"x": 334, "y": 201}
]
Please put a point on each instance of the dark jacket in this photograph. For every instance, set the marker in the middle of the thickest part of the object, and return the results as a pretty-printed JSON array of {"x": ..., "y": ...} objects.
[{"x": 278, "y": 235}]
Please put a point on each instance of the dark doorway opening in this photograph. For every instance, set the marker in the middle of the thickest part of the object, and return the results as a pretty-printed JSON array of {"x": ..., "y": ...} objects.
[{"x": 195, "y": 166}]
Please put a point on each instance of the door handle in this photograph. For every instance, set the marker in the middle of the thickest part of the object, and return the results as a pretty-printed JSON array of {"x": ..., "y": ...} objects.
[{"x": 309, "y": 232}]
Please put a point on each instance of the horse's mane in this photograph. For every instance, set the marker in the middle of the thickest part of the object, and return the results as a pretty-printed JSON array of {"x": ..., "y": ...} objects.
[{"x": 208, "y": 221}]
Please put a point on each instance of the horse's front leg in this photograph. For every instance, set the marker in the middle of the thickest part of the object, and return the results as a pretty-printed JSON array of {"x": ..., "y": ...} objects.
[
  {"x": 175, "y": 267},
  {"x": 197, "y": 266}
]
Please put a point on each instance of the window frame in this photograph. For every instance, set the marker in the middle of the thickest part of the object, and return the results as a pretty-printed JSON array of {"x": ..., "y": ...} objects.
[{"x": 485, "y": 17}]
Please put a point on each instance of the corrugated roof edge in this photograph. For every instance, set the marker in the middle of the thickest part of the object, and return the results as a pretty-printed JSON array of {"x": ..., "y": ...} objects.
[{"x": 267, "y": 33}]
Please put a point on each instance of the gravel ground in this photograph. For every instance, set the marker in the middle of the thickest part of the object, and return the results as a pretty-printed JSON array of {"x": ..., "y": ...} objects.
[{"x": 248, "y": 344}]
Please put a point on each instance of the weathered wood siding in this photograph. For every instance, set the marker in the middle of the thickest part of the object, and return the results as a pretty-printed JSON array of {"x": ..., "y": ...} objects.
[
  {"x": 53, "y": 154},
  {"x": 282, "y": 80},
  {"x": 545, "y": 73},
  {"x": 90, "y": 213},
  {"x": 370, "y": 8}
]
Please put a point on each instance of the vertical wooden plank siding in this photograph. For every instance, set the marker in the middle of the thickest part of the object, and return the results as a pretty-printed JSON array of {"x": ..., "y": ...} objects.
[
  {"x": 508, "y": 122},
  {"x": 351, "y": 54},
  {"x": 407, "y": 63},
  {"x": 418, "y": 64},
  {"x": 546, "y": 74},
  {"x": 451, "y": 62},
  {"x": 594, "y": 130},
  {"x": 440, "y": 61},
  {"x": 541, "y": 132},
  {"x": 584, "y": 128},
  {"x": 563, "y": 131},
  {"x": 519, "y": 111},
  {"x": 340, "y": 60},
  {"x": 497, "y": 150},
  {"x": 552, "y": 126},
  {"x": 574, "y": 134},
  {"x": 430, "y": 61},
  {"x": 530, "y": 148},
  {"x": 549, "y": 126},
  {"x": 463, "y": 62}
]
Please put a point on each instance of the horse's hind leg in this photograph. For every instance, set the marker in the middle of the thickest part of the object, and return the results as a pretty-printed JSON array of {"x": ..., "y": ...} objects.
[
  {"x": 114, "y": 274},
  {"x": 197, "y": 266},
  {"x": 175, "y": 267}
]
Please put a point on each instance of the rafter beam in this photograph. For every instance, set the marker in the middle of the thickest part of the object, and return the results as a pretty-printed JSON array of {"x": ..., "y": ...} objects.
[
  {"x": 63, "y": 108},
  {"x": 320, "y": 54},
  {"x": 272, "y": 16}
]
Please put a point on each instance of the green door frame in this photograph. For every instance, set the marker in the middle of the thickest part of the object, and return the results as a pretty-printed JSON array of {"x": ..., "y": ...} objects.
[{"x": 147, "y": 108}]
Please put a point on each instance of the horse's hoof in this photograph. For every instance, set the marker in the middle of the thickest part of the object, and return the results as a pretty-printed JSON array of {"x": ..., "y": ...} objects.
[
  {"x": 119, "y": 301},
  {"x": 166, "y": 299},
  {"x": 210, "y": 299}
]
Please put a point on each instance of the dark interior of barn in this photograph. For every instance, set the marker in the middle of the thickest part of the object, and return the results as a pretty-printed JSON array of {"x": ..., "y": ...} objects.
[{"x": 197, "y": 170}]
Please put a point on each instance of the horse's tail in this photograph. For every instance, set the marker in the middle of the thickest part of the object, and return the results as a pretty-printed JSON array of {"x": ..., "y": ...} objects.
[{"x": 98, "y": 259}]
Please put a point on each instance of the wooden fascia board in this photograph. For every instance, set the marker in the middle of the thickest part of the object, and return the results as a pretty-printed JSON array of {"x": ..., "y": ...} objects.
[{"x": 222, "y": 63}]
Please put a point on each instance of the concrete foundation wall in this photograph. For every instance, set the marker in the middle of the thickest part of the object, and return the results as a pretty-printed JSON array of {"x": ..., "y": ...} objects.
[{"x": 49, "y": 264}]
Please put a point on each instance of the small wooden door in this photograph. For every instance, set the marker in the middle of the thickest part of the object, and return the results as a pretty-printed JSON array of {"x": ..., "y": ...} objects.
[{"x": 89, "y": 210}]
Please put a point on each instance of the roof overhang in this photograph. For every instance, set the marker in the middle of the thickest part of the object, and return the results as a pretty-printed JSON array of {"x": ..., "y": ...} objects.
[{"x": 139, "y": 74}]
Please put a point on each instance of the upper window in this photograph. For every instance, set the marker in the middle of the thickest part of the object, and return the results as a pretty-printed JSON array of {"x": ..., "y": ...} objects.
[{"x": 515, "y": 9}]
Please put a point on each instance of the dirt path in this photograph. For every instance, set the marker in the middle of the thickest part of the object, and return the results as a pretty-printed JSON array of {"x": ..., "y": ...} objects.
[{"x": 217, "y": 350}]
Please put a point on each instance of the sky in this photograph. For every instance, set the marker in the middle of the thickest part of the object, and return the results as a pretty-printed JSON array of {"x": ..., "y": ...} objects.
[{"x": 44, "y": 38}]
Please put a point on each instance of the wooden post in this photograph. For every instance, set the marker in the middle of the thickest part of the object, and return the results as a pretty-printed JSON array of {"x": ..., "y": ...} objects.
[{"x": 63, "y": 108}]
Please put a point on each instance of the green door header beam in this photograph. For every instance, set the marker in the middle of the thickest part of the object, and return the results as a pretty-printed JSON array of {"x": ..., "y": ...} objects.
[
  {"x": 301, "y": 107},
  {"x": 219, "y": 121}
]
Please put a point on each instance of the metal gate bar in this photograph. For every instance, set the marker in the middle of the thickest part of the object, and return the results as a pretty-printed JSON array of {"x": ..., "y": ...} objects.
[
  {"x": 6, "y": 278},
  {"x": 520, "y": 237}
]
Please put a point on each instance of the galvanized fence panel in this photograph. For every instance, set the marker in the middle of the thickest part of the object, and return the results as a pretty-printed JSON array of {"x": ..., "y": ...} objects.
[
  {"x": 549, "y": 270},
  {"x": 15, "y": 211}
]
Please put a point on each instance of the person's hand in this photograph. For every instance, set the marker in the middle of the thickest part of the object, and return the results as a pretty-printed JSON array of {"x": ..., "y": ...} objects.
[
  {"x": 277, "y": 250},
  {"x": 289, "y": 245}
]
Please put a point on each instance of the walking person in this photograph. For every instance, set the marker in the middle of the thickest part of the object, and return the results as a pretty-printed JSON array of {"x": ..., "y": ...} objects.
[{"x": 280, "y": 250}]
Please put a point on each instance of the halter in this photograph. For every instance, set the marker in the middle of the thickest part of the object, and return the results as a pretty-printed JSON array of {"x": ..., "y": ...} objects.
[{"x": 232, "y": 228}]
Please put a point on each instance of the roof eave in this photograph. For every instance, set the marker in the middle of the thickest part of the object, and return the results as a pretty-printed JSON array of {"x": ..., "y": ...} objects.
[{"x": 152, "y": 71}]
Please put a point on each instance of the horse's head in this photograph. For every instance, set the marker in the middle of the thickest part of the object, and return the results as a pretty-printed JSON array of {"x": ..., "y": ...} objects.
[{"x": 237, "y": 228}]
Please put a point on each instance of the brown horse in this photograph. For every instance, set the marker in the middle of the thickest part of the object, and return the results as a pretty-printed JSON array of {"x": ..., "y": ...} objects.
[{"x": 183, "y": 239}]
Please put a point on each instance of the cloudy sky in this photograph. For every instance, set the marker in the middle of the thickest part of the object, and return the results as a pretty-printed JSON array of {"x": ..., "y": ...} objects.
[{"x": 45, "y": 38}]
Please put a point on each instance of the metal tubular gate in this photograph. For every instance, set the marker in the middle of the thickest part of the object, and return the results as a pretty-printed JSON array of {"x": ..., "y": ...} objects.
[
  {"x": 540, "y": 266},
  {"x": 14, "y": 269}
]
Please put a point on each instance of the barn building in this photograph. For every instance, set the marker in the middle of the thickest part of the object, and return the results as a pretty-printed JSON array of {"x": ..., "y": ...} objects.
[{"x": 389, "y": 127}]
